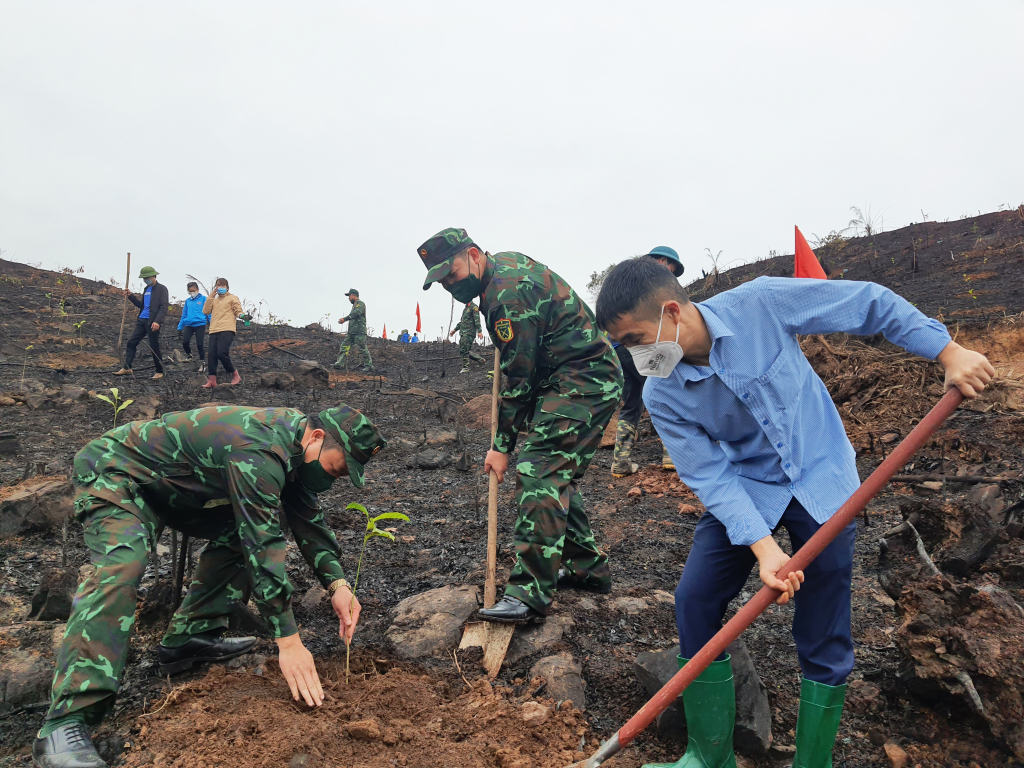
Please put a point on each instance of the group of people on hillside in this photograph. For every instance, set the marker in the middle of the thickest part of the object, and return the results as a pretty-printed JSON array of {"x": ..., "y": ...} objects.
[
  {"x": 216, "y": 314},
  {"x": 747, "y": 423}
]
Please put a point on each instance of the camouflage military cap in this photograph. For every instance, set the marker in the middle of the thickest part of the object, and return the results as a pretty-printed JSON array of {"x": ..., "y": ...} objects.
[
  {"x": 437, "y": 253},
  {"x": 352, "y": 292},
  {"x": 359, "y": 438}
]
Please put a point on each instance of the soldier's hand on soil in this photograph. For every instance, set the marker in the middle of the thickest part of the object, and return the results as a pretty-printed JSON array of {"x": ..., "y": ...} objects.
[
  {"x": 496, "y": 462},
  {"x": 967, "y": 370},
  {"x": 299, "y": 670},
  {"x": 770, "y": 559},
  {"x": 347, "y": 608}
]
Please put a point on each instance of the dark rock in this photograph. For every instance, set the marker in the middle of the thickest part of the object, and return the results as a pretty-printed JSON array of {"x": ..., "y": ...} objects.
[
  {"x": 39, "y": 401},
  {"x": 71, "y": 392},
  {"x": 430, "y": 622},
  {"x": 436, "y": 436},
  {"x": 277, "y": 380},
  {"x": 309, "y": 374},
  {"x": 536, "y": 638},
  {"x": 753, "y": 715},
  {"x": 39, "y": 501},
  {"x": 9, "y": 443},
  {"x": 564, "y": 679},
  {"x": 429, "y": 459},
  {"x": 52, "y": 599},
  {"x": 224, "y": 393},
  {"x": 465, "y": 461},
  {"x": 28, "y": 386}
]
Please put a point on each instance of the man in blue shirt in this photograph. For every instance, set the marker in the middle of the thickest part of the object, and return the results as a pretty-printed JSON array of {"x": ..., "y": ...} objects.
[
  {"x": 752, "y": 430},
  {"x": 152, "y": 310},
  {"x": 415, "y": 339}
]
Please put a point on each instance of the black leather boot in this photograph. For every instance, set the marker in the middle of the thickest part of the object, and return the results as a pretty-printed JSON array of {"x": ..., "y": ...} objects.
[
  {"x": 67, "y": 747},
  {"x": 567, "y": 580},
  {"x": 510, "y": 610},
  {"x": 210, "y": 647}
]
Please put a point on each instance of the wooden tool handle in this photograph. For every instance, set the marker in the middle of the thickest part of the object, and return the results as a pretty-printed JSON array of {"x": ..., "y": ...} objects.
[{"x": 490, "y": 591}]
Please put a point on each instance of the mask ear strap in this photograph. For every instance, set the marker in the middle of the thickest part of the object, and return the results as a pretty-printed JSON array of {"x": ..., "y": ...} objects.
[{"x": 661, "y": 319}]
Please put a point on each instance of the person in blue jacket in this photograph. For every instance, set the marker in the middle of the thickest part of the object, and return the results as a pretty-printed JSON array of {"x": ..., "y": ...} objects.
[
  {"x": 404, "y": 338},
  {"x": 193, "y": 322},
  {"x": 415, "y": 339}
]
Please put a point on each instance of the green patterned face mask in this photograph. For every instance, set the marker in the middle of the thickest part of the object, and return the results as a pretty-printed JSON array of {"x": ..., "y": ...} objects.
[{"x": 312, "y": 475}]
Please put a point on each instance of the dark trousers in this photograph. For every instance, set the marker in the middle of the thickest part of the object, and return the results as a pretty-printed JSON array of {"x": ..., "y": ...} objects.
[
  {"x": 716, "y": 571},
  {"x": 142, "y": 330},
  {"x": 220, "y": 348},
  {"x": 186, "y": 338},
  {"x": 632, "y": 388}
]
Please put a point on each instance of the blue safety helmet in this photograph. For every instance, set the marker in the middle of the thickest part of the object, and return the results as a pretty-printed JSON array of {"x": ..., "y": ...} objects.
[{"x": 665, "y": 252}]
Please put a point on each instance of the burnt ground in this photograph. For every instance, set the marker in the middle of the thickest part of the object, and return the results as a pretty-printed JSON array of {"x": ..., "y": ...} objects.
[{"x": 900, "y": 695}]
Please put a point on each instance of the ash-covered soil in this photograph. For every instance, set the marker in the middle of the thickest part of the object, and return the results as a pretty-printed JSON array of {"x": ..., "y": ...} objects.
[{"x": 907, "y": 690}]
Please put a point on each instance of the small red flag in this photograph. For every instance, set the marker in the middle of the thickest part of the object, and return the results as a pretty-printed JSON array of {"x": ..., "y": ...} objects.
[
  {"x": 419, "y": 321},
  {"x": 805, "y": 263},
  {"x": 385, "y": 334}
]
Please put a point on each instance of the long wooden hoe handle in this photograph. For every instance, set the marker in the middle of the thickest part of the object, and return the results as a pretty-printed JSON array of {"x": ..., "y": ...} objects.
[
  {"x": 490, "y": 591},
  {"x": 766, "y": 596},
  {"x": 124, "y": 308}
]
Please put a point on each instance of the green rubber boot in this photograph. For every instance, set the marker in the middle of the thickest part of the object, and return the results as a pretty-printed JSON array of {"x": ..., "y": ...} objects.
[
  {"x": 710, "y": 704},
  {"x": 821, "y": 708}
]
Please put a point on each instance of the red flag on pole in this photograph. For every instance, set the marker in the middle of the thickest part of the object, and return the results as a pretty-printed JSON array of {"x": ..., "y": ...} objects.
[
  {"x": 805, "y": 263},
  {"x": 385, "y": 334},
  {"x": 419, "y": 321}
]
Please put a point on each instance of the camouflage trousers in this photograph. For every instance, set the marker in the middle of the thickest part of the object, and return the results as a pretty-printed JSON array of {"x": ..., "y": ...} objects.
[
  {"x": 354, "y": 343},
  {"x": 466, "y": 351},
  {"x": 553, "y": 530},
  {"x": 92, "y": 657}
]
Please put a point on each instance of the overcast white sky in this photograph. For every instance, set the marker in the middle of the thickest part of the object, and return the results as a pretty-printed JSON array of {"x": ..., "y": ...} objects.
[{"x": 304, "y": 148}]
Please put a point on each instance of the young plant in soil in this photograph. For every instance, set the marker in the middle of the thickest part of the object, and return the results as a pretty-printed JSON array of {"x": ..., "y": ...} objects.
[
  {"x": 25, "y": 365},
  {"x": 117, "y": 403},
  {"x": 372, "y": 531}
]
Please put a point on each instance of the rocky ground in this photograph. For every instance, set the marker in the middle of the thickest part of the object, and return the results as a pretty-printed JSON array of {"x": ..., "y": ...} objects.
[{"x": 939, "y": 576}]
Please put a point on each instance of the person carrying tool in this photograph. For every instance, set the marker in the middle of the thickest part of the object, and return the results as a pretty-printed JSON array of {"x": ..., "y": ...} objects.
[
  {"x": 228, "y": 474},
  {"x": 356, "y": 338},
  {"x": 194, "y": 322},
  {"x": 468, "y": 329},
  {"x": 633, "y": 388},
  {"x": 225, "y": 310},
  {"x": 563, "y": 385},
  {"x": 152, "y": 310},
  {"x": 758, "y": 439}
]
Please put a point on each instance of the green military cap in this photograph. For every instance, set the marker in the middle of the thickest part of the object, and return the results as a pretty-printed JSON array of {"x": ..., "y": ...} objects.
[
  {"x": 437, "y": 253},
  {"x": 358, "y": 437},
  {"x": 148, "y": 272},
  {"x": 352, "y": 292}
]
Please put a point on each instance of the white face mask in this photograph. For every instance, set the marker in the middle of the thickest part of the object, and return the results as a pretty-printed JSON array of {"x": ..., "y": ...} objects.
[
  {"x": 193, "y": 294},
  {"x": 657, "y": 359}
]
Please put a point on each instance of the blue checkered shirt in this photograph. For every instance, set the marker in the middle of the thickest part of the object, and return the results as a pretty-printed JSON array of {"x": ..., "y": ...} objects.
[{"x": 757, "y": 427}]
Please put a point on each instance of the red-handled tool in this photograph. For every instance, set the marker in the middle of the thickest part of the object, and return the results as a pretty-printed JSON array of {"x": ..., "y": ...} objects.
[{"x": 766, "y": 596}]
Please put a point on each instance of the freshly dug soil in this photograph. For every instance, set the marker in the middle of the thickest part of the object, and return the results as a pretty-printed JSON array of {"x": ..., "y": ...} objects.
[{"x": 393, "y": 717}]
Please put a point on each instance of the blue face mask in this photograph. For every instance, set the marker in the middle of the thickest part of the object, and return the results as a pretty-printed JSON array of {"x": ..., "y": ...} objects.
[
  {"x": 149, "y": 281},
  {"x": 222, "y": 291}
]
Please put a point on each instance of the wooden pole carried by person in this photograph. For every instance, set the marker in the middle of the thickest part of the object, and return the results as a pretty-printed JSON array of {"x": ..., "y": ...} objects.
[
  {"x": 492, "y": 638},
  {"x": 124, "y": 309}
]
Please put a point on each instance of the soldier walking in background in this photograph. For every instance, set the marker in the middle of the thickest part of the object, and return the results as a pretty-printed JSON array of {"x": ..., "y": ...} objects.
[
  {"x": 356, "y": 337},
  {"x": 562, "y": 386},
  {"x": 152, "y": 310},
  {"x": 468, "y": 330},
  {"x": 633, "y": 389},
  {"x": 227, "y": 474}
]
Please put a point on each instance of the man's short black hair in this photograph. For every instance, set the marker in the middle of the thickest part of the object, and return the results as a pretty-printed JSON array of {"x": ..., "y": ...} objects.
[
  {"x": 193, "y": 284},
  {"x": 635, "y": 283},
  {"x": 329, "y": 440}
]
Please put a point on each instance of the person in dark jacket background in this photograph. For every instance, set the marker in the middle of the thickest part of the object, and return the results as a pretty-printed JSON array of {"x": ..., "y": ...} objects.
[
  {"x": 193, "y": 322},
  {"x": 152, "y": 310}
]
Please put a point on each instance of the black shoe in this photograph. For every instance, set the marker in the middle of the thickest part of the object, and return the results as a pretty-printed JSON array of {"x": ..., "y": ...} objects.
[
  {"x": 174, "y": 661},
  {"x": 567, "y": 580},
  {"x": 510, "y": 610},
  {"x": 67, "y": 747}
]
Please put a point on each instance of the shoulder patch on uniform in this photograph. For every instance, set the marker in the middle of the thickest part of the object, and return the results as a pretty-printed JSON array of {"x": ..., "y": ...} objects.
[{"x": 504, "y": 329}]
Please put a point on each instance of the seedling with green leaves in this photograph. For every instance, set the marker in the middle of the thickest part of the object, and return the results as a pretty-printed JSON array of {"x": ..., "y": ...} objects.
[
  {"x": 116, "y": 403},
  {"x": 372, "y": 531},
  {"x": 25, "y": 365}
]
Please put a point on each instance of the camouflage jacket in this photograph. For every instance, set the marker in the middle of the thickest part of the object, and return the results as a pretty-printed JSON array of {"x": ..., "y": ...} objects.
[
  {"x": 549, "y": 343},
  {"x": 211, "y": 469},
  {"x": 357, "y": 319},
  {"x": 469, "y": 323}
]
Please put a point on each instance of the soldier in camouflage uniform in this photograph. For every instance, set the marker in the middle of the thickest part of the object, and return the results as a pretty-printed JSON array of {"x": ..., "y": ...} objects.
[
  {"x": 223, "y": 473},
  {"x": 468, "y": 329},
  {"x": 356, "y": 338},
  {"x": 563, "y": 384}
]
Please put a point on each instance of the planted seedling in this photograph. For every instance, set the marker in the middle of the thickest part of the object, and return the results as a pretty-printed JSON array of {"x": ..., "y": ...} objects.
[
  {"x": 25, "y": 365},
  {"x": 116, "y": 403},
  {"x": 372, "y": 531}
]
